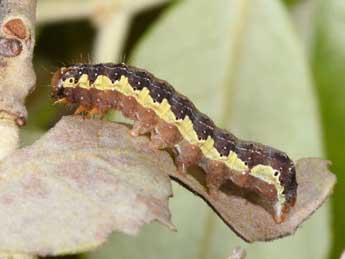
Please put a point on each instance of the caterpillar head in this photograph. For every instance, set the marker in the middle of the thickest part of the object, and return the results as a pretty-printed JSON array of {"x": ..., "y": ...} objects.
[{"x": 63, "y": 78}]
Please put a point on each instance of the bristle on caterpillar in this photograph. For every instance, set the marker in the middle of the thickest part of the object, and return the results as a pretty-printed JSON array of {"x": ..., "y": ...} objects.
[{"x": 174, "y": 123}]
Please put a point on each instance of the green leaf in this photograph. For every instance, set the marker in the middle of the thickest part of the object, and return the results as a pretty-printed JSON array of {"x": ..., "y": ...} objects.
[
  {"x": 329, "y": 67},
  {"x": 241, "y": 63}
]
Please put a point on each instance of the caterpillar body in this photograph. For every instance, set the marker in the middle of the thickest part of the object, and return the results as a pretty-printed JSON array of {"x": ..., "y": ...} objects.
[{"x": 173, "y": 122}]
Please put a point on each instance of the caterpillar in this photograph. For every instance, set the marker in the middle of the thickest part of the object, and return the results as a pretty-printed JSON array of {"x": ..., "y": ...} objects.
[{"x": 174, "y": 123}]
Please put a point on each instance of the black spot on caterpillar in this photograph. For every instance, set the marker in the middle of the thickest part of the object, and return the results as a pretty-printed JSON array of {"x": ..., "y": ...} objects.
[{"x": 174, "y": 122}]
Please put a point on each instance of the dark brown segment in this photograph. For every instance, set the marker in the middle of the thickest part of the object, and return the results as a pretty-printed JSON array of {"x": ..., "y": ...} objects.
[
  {"x": 139, "y": 80},
  {"x": 160, "y": 90},
  {"x": 224, "y": 142},
  {"x": 250, "y": 153},
  {"x": 94, "y": 71},
  {"x": 117, "y": 71},
  {"x": 81, "y": 70},
  {"x": 203, "y": 126},
  {"x": 180, "y": 106}
]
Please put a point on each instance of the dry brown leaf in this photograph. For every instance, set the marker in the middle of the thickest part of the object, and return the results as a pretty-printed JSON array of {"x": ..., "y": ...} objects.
[
  {"x": 251, "y": 222},
  {"x": 87, "y": 178},
  {"x": 84, "y": 179}
]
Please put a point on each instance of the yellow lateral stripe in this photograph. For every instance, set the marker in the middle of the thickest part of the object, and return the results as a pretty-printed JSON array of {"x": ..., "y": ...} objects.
[
  {"x": 144, "y": 94},
  {"x": 163, "y": 110},
  {"x": 207, "y": 145},
  {"x": 185, "y": 127}
]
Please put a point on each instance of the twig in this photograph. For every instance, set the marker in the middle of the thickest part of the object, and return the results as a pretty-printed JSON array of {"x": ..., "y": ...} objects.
[
  {"x": 17, "y": 20},
  {"x": 16, "y": 256}
]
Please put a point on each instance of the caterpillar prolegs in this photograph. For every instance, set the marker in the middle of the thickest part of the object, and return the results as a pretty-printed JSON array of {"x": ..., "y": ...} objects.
[{"x": 173, "y": 122}]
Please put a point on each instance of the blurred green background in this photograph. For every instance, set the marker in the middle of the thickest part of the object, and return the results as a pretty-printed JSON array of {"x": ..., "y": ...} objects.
[{"x": 268, "y": 70}]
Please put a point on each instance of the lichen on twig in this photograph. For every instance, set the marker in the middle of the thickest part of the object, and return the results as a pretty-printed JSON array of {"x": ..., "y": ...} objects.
[
  {"x": 17, "y": 23},
  {"x": 17, "y": 31}
]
